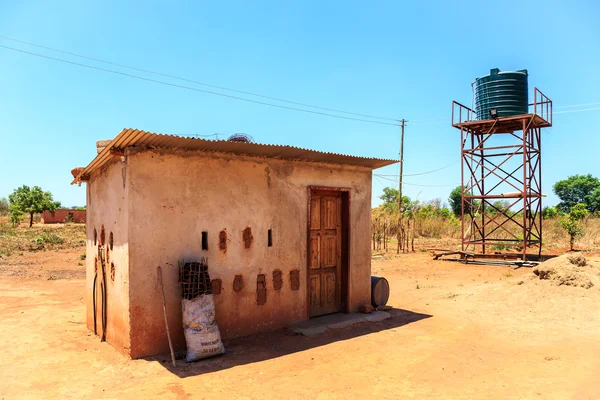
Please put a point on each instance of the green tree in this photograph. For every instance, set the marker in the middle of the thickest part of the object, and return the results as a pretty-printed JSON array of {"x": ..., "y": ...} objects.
[
  {"x": 578, "y": 189},
  {"x": 594, "y": 201},
  {"x": 390, "y": 200},
  {"x": 501, "y": 205},
  {"x": 572, "y": 222},
  {"x": 550, "y": 212},
  {"x": 445, "y": 212},
  {"x": 3, "y": 206},
  {"x": 455, "y": 200},
  {"x": 26, "y": 200}
]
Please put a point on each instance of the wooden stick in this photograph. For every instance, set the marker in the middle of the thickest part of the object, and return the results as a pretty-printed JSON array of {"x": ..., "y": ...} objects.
[{"x": 162, "y": 289}]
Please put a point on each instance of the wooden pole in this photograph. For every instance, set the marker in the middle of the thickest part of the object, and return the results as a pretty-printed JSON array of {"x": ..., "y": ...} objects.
[
  {"x": 400, "y": 237},
  {"x": 162, "y": 290}
]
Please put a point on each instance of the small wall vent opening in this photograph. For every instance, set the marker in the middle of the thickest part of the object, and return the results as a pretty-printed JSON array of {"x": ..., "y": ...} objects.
[
  {"x": 277, "y": 279},
  {"x": 223, "y": 240},
  {"x": 204, "y": 240},
  {"x": 270, "y": 238},
  {"x": 95, "y": 237},
  {"x": 215, "y": 286},
  {"x": 261, "y": 289},
  {"x": 247, "y": 236},
  {"x": 238, "y": 283},
  {"x": 110, "y": 240},
  {"x": 295, "y": 279}
]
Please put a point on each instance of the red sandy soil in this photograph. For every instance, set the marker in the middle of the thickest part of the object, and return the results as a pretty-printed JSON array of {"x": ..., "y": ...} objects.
[{"x": 459, "y": 331}]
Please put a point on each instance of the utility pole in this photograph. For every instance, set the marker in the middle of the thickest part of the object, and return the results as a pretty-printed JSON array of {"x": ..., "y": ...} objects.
[
  {"x": 400, "y": 210},
  {"x": 402, "y": 124}
]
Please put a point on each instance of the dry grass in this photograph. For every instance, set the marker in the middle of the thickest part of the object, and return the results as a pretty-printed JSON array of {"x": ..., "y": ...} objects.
[
  {"x": 437, "y": 228},
  {"x": 446, "y": 232},
  {"x": 39, "y": 237},
  {"x": 555, "y": 237}
]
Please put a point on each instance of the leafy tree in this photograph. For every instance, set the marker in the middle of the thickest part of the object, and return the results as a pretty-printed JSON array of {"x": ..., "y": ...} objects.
[
  {"x": 34, "y": 200},
  {"x": 572, "y": 222},
  {"x": 445, "y": 212},
  {"x": 578, "y": 189},
  {"x": 15, "y": 218},
  {"x": 390, "y": 195},
  {"x": 390, "y": 200},
  {"x": 594, "y": 201},
  {"x": 455, "y": 200},
  {"x": 550, "y": 212},
  {"x": 3, "y": 206},
  {"x": 501, "y": 205}
]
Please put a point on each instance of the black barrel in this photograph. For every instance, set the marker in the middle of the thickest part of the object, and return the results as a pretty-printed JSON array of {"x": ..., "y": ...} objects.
[{"x": 380, "y": 291}]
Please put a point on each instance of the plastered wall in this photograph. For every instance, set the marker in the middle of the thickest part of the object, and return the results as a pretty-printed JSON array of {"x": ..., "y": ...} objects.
[
  {"x": 107, "y": 206},
  {"x": 174, "y": 196}
]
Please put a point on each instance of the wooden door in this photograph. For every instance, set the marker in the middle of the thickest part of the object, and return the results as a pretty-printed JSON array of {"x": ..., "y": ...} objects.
[{"x": 325, "y": 253}]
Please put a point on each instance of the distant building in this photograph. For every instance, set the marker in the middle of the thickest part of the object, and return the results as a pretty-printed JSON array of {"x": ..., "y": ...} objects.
[
  {"x": 61, "y": 215},
  {"x": 286, "y": 232}
]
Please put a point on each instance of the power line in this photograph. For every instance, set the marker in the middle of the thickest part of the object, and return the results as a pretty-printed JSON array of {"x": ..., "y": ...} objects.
[
  {"x": 572, "y": 111},
  {"x": 578, "y": 105},
  {"x": 194, "y": 81},
  {"x": 191, "y": 88},
  {"x": 406, "y": 183},
  {"x": 440, "y": 120},
  {"x": 427, "y": 172}
]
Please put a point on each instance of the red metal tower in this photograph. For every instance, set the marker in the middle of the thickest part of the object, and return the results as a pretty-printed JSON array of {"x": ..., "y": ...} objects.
[{"x": 502, "y": 180}]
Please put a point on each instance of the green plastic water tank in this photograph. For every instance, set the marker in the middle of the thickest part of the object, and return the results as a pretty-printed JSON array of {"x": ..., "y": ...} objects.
[{"x": 506, "y": 91}]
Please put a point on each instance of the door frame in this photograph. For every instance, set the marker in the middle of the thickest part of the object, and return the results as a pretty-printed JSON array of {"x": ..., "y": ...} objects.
[{"x": 345, "y": 269}]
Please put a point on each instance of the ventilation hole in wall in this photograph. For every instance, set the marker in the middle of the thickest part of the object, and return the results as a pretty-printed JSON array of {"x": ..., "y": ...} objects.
[
  {"x": 261, "y": 289},
  {"x": 223, "y": 240},
  {"x": 238, "y": 283},
  {"x": 204, "y": 240},
  {"x": 247, "y": 236},
  {"x": 95, "y": 237},
  {"x": 102, "y": 236},
  {"x": 215, "y": 286},
  {"x": 112, "y": 272},
  {"x": 295, "y": 279},
  {"x": 270, "y": 238},
  {"x": 110, "y": 240},
  {"x": 277, "y": 279}
]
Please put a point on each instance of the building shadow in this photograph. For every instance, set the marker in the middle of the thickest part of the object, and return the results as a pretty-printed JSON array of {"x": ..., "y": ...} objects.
[{"x": 279, "y": 343}]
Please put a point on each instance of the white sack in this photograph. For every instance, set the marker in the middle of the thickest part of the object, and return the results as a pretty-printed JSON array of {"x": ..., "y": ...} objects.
[{"x": 201, "y": 331}]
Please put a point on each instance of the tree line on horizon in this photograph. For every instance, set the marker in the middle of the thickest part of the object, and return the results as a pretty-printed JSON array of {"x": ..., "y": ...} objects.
[
  {"x": 579, "y": 198},
  {"x": 29, "y": 201}
]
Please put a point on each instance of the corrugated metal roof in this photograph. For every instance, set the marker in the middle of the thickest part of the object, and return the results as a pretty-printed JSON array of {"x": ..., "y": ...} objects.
[{"x": 137, "y": 138}]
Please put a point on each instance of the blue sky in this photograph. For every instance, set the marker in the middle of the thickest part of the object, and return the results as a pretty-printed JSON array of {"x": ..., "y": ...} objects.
[{"x": 393, "y": 59}]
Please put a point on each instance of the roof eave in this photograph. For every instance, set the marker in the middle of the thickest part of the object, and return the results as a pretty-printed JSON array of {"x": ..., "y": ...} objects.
[{"x": 133, "y": 137}]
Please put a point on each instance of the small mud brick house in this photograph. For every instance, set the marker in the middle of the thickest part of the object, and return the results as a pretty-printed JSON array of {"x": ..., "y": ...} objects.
[{"x": 286, "y": 232}]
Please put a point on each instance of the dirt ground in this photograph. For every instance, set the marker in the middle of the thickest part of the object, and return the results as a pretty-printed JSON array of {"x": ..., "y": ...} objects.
[{"x": 458, "y": 331}]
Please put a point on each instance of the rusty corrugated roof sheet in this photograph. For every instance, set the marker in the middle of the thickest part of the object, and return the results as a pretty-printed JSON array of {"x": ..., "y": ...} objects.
[{"x": 137, "y": 138}]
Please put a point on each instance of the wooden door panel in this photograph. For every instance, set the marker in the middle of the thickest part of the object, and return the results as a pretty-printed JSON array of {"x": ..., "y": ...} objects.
[
  {"x": 315, "y": 213},
  {"x": 330, "y": 291},
  {"x": 324, "y": 253},
  {"x": 314, "y": 282},
  {"x": 315, "y": 252},
  {"x": 330, "y": 213},
  {"x": 329, "y": 251}
]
